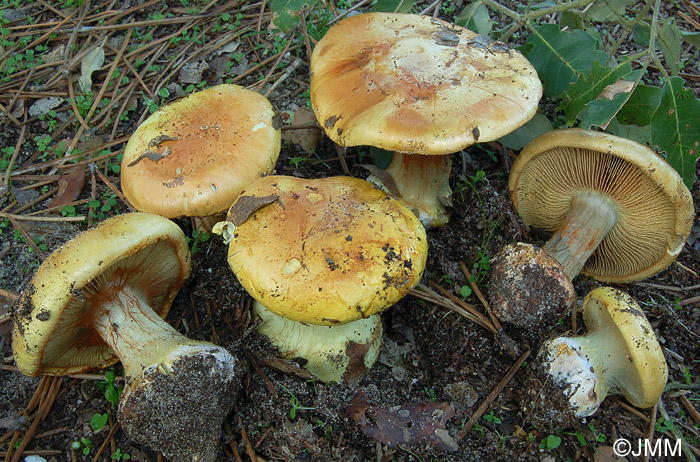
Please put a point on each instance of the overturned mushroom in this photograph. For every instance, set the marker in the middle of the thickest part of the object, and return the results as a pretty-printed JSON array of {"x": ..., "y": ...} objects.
[
  {"x": 331, "y": 253},
  {"x": 421, "y": 87},
  {"x": 101, "y": 298},
  {"x": 193, "y": 157},
  {"x": 618, "y": 355},
  {"x": 617, "y": 211}
]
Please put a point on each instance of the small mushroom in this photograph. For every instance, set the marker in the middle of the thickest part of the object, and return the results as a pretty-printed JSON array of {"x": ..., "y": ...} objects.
[
  {"x": 617, "y": 211},
  {"x": 331, "y": 253},
  {"x": 194, "y": 156},
  {"x": 423, "y": 88},
  {"x": 101, "y": 298},
  {"x": 618, "y": 355}
]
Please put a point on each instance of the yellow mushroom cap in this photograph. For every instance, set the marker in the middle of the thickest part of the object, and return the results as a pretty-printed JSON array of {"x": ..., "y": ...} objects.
[
  {"x": 417, "y": 84},
  {"x": 51, "y": 332},
  {"x": 654, "y": 207},
  {"x": 326, "y": 251},
  {"x": 194, "y": 156},
  {"x": 638, "y": 370}
]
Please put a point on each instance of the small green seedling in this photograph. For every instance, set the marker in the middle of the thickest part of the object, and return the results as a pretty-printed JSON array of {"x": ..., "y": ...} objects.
[
  {"x": 85, "y": 444},
  {"x": 198, "y": 237},
  {"x": 598, "y": 437},
  {"x": 550, "y": 443},
  {"x": 295, "y": 404},
  {"x": 465, "y": 291},
  {"x": 112, "y": 393},
  {"x": 98, "y": 421},
  {"x": 119, "y": 455},
  {"x": 492, "y": 418}
]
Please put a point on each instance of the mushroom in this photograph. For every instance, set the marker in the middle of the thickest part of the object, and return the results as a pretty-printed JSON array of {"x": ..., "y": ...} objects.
[
  {"x": 618, "y": 355},
  {"x": 421, "y": 87},
  {"x": 618, "y": 212},
  {"x": 101, "y": 298},
  {"x": 329, "y": 254},
  {"x": 194, "y": 156},
  {"x": 342, "y": 353}
]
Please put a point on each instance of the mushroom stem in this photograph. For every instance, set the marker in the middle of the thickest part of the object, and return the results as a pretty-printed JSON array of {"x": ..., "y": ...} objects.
[
  {"x": 340, "y": 353},
  {"x": 578, "y": 365},
  {"x": 136, "y": 334},
  {"x": 591, "y": 216},
  {"x": 422, "y": 183},
  {"x": 177, "y": 387},
  {"x": 618, "y": 355}
]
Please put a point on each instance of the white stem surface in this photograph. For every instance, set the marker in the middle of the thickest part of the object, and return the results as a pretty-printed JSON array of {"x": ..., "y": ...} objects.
[
  {"x": 136, "y": 334},
  {"x": 423, "y": 183},
  {"x": 591, "y": 217}
]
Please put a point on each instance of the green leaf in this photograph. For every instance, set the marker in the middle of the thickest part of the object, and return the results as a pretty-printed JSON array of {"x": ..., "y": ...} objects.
[
  {"x": 669, "y": 40},
  {"x": 465, "y": 291},
  {"x": 561, "y": 56},
  {"x": 608, "y": 11},
  {"x": 589, "y": 87},
  {"x": 641, "y": 34},
  {"x": 393, "y": 6},
  {"x": 641, "y": 135},
  {"x": 641, "y": 104},
  {"x": 553, "y": 442},
  {"x": 285, "y": 12},
  {"x": 571, "y": 20},
  {"x": 380, "y": 157},
  {"x": 691, "y": 37},
  {"x": 600, "y": 112},
  {"x": 475, "y": 17},
  {"x": 675, "y": 128},
  {"x": 98, "y": 421},
  {"x": 534, "y": 127}
]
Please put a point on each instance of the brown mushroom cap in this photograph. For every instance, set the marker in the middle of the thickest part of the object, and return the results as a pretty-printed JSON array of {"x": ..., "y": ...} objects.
[
  {"x": 326, "y": 251},
  {"x": 417, "y": 84},
  {"x": 194, "y": 156},
  {"x": 52, "y": 333},
  {"x": 654, "y": 208}
]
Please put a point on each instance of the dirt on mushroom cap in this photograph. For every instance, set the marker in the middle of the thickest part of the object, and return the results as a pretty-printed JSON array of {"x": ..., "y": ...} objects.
[
  {"x": 205, "y": 149},
  {"x": 327, "y": 251},
  {"x": 418, "y": 84}
]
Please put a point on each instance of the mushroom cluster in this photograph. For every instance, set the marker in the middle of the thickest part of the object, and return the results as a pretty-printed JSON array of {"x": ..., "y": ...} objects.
[
  {"x": 617, "y": 210},
  {"x": 423, "y": 88},
  {"x": 101, "y": 298},
  {"x": 322, "y": 258},
  {"x": 343, "y": 252}
]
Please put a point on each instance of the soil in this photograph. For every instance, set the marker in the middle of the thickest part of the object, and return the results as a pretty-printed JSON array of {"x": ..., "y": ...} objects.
[{"x": 434, "y": 361}]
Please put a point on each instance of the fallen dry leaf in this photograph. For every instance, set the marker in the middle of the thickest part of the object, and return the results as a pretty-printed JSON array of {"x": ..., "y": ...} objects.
[
  {"x": 70, "y": 185},
  {"x": 90, "y": 63},
  {"x": 306, "y": 139},
  {"x": 607, "y": 454},
  {"x": 412, "y": 424},
  {"x": 246, "y": 205},
  {"x": 614, "y": 89}
]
